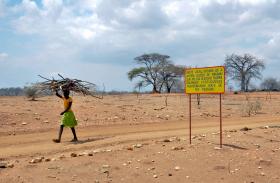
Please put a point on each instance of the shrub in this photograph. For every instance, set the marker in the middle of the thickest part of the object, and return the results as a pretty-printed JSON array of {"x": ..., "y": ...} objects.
[
  {"x": 249, "y": 108},
  {"x": 31, "y": 92}
]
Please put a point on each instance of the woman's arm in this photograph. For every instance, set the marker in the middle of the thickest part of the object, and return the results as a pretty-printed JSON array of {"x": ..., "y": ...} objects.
[
  {"x": 57, "y": 94},
  {"x": 69, "y": 107}
]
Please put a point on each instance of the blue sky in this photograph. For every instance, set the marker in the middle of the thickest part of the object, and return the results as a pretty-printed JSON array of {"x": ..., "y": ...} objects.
[{"x": 96, "y": 40}]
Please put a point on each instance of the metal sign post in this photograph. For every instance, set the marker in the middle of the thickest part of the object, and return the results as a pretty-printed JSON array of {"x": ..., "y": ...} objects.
[
  {"x": 190, "y": 113},
  {"x": 208, "y": 80},
  {"x": 221, "y": 123}
]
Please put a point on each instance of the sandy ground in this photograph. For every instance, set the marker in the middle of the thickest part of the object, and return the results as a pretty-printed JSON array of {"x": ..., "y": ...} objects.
[{"x": 140, "y": 139}]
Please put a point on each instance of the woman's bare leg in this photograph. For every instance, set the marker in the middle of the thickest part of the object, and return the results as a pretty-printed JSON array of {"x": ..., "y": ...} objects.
[
  {"x": 74, "y": 134},
  {"x": 59, "y": 134}
]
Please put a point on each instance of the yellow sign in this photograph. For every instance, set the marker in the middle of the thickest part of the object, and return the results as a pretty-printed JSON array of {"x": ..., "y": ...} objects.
[{"x": 208, "y": 80}]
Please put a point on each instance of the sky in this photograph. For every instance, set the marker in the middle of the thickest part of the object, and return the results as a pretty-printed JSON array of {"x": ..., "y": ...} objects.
[{"x": 97, "y": 40}]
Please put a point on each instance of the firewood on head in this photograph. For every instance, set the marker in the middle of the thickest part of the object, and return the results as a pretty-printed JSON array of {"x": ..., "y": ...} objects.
[{"x": 75, "y": 85}]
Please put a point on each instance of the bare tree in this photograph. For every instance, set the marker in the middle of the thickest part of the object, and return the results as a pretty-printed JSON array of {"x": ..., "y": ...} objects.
[
  {"x": 244, "y": 68},
  {"x": 270, "y": 84}
]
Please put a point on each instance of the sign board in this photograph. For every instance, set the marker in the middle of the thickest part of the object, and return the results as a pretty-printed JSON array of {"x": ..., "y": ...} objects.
[{"x": 208, "y": 80}]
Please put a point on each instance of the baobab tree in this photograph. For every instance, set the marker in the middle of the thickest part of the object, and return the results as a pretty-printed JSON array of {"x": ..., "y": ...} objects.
[
  {"x": 270, "y": 84},
  {"x": 244, "y": 68}
]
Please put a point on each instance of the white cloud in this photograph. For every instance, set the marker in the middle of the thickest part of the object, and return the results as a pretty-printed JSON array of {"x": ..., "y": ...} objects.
[
  {"x": 2, "y": 8},
  {"x": 253, "y": 2},
  {"x": 3, "y": 56},
  {"x": 112, "y": 32},
  {"x": 133, "y": 24},
  {"x": 271, "y": 49}
]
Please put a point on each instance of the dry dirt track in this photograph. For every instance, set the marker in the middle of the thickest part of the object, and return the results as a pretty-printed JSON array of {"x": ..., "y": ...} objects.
[
  {"x": 110, "y": 129},
  {"x": 93, "y": 137}
]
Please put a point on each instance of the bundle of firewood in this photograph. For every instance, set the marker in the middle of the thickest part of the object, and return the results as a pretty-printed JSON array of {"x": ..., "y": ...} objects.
[{"x": 75, "y": 85}]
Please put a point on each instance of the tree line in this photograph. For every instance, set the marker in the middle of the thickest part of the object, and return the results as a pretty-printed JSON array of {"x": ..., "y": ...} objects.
[
  {"x": 162, "y": 75},
  {"x": 29, "y": 91},
  {"x": 12, "y": 91},
  {"x": 159, "y": 72}
]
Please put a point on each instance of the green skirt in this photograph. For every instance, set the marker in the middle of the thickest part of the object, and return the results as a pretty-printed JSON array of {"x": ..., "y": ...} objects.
[{"x": 68, "y": 119}]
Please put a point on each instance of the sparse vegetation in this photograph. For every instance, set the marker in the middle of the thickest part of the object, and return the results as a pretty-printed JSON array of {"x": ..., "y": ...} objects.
[
  {"x": 250, "y": 108},
  {"x": 166, "y": 100},
  {"x": 270, "y": 84},
  {"x": 31, "y": 92},
  {"x": 198, "y": 100}
]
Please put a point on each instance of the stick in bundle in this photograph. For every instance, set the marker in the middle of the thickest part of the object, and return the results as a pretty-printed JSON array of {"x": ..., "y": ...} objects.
[{"x": 75, "y": 85}]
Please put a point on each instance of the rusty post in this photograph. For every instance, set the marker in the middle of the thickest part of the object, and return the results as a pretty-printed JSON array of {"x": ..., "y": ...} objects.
[
  {"x": 221, "y": 127},
  {"x": 190, "y": 119}
]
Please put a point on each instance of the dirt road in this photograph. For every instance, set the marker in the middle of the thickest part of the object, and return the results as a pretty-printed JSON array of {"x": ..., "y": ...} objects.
[
  {"x": 110, "y": 130},
  {"x": 40, "y": 143}
]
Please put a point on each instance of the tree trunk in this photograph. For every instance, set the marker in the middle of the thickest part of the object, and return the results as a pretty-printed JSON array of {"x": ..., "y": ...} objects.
[
  {"x": 155, "y": 90},
  {"x": 160, "y": 88},
  {"x": 246, "y": 87},
  {"x": 247, "y": 84},
  {"x": 243, "y": 84},
  {"x": 168, "y": 89}
]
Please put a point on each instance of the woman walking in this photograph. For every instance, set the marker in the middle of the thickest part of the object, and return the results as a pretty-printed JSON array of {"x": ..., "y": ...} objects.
[{"x": 68, "y": 118}]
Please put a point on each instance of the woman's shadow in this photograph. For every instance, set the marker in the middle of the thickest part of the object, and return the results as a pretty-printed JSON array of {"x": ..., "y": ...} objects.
[{"x": 83, "y": 141}]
